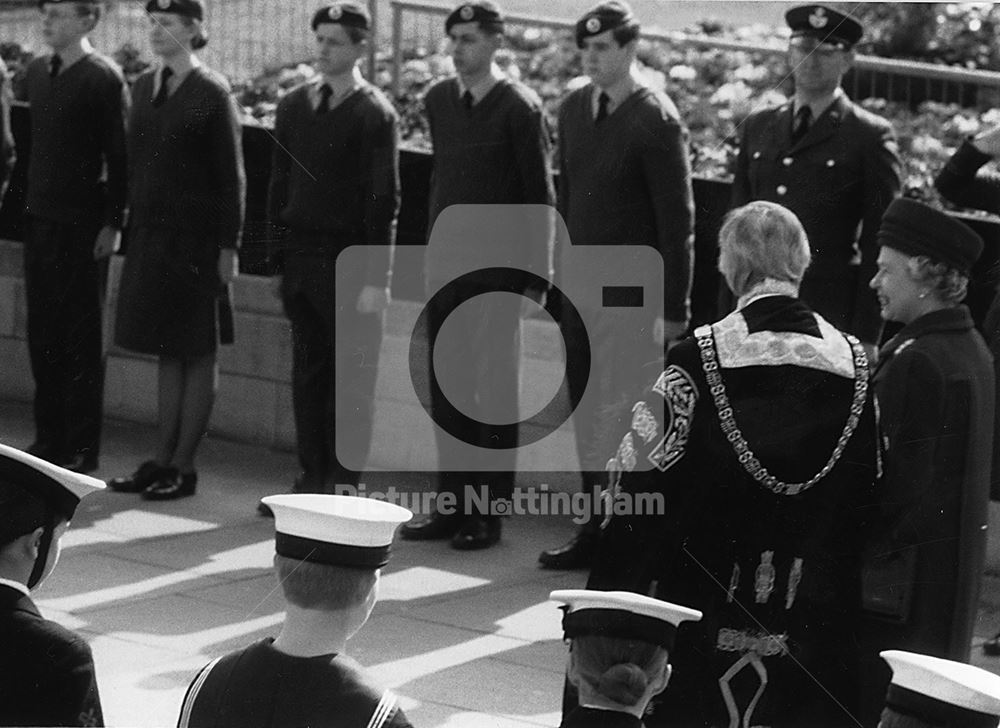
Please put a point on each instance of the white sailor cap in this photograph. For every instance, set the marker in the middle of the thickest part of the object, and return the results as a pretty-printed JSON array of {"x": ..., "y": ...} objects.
[
  {"x": 335, "y": 529},
  {"x": 60, "y": 489},
  {"x": 620, "y": 614},
  {"x": 942, "y": 692}
]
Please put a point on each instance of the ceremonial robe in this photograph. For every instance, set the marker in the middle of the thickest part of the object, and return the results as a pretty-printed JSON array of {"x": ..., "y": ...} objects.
[{"x": 761, "y": 437}]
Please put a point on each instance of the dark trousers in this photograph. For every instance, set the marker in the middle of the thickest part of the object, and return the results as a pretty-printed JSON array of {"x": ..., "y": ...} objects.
[
  {"x": 476, "y": 362},
  {"x": 333, "y": 370},
  {"x": 65, "y": 294}
]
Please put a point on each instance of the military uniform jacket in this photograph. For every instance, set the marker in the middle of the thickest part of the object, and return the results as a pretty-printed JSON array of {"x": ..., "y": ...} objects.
[
  {"x": 934, "y": 382},
  {"x": 260, "y": 686},
  {"x": 46, "y": 671},
  {"x": 761, "y": 437},
  {"x": 838, "y": 180}
]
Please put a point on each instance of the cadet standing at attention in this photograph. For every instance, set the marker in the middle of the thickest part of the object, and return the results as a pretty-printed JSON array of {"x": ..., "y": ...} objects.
[
  {"x": 830, "y": 162},
  {"x": 491, "y": 148},
  {"x": 46, "y": 671},
  {"x": 625, "y": 179},
  {"x": 334, "y": 183},
  {"x": 75, "y": 208}
]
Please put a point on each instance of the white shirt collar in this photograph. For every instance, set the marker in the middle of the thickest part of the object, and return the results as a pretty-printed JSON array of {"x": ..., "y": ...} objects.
[
  {"x": 619, "y": 91},
  {"x": 341, "y": 86},
  {"x": 482, "y": 87},
  {"x": 768, "y": 287},
  {"x": 15, "y": 585},
  {"x": 178, "y": 76},
  {"x": 818, "y": 109}
]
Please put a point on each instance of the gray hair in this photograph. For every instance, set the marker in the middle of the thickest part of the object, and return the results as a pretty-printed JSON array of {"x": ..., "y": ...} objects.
[{"x": 762, "y": 240}]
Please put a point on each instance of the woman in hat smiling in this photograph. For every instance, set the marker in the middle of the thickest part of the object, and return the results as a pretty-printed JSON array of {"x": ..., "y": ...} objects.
[
  {"x": 187, "y": 192},
  {"x": 934, "y": 383}
]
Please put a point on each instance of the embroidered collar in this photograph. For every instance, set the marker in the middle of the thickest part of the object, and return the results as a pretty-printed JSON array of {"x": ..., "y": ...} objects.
[{"x": 737, "y": 347}]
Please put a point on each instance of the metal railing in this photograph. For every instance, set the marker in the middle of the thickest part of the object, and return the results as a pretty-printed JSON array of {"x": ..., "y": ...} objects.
[{"x": 895, "y": 80}]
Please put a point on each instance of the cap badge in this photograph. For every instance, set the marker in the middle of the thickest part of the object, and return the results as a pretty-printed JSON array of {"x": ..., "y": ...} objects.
[
  {"x": 593, "y": 25},
  {"x": 163, "y": 4},
  {"x": 467, "y": 12},
  {"x": 334, "y": 13},
  {"x": 818, "y": 18}
]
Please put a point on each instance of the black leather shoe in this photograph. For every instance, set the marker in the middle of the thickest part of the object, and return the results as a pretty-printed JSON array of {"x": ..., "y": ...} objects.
[
  {"x": 991, "y": 646},
  {"x": 81, "y": 462},
  {"x": 147, "y": 474},
  {"x": 477, "y": 533},
  {"x": 578, "y": 553},
  {"x": 433, "y": 528},
  {"x": 43, "y": 450},
  {"x": 172, "y": 485}
]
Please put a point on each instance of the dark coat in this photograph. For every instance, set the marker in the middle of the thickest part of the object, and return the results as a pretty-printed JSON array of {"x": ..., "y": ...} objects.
[
  {"x": 935, "y": 388},
  {"x": 775, "y": 571},
  {"x": 962, "y": 182},
  {"x": 46, "y": 671},
  {"x": 260, "y": 686},
  {"x": 838, "y": 179}
]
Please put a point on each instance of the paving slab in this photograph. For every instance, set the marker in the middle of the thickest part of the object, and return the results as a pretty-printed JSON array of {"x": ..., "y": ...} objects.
[{"x": 467, "y": 640}]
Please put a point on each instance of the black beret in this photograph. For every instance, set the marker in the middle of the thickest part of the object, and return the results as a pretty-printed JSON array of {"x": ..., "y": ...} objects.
[
  {"x": 349, "y": 14},
  {"x": 823, "y": 23},
  {"x": 914, "y": 228},
  {"x": 188, "y": 8},
  {"x": 606, "y": 16},
  {"x": 479, "y": 12}
]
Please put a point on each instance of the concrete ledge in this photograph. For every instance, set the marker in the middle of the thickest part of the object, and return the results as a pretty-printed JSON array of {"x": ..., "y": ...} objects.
[{"x": 254, "y": 398}]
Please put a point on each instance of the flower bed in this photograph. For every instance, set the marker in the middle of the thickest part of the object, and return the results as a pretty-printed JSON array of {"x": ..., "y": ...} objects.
[{"x": 714, "y": 90}]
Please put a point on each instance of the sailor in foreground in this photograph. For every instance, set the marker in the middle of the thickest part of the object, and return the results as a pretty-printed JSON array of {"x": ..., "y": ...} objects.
[
  {"x": 46, "y": 671},
  {"x": 618, "y": 657},
  {"x": 330, "y": 549},
  {"x": 928, "y": 692}
]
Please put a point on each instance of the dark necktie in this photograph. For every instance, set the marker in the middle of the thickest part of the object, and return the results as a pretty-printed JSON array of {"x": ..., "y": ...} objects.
[
  {"x": 802, "y": 118},
  {"x": 55, "y": 63},
  {"x": 325, "y": 92},
  {"x": 602, "y": 107},
  {"x": 163, "y": 92},
  {"x": 467, "y": 99}
]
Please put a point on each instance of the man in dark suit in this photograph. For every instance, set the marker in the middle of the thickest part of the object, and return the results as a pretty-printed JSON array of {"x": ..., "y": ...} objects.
[
  {"x": 46, "y": 671},
  {"x": 830, "y": 162}
]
